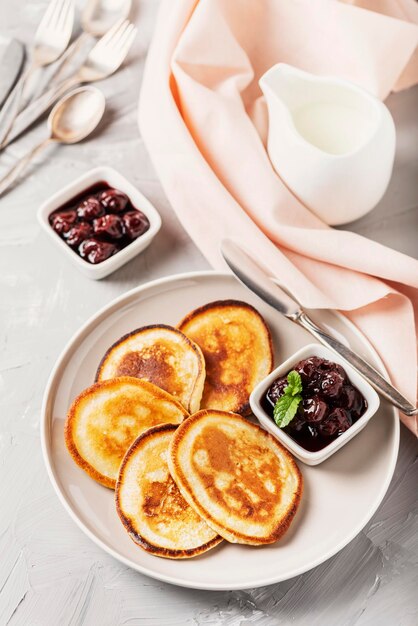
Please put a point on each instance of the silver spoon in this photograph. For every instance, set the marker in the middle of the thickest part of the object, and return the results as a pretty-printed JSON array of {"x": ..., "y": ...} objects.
[
  {"x": 99, "y": 15},
  {"x": 74, "y": 117}
]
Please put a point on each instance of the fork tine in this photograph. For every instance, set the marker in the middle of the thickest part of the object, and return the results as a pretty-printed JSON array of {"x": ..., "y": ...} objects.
[
  {"x": 114, "y": 42},
  {"x": 59, "y": 15},
  {"x": 125, "y": 42},
  {"x": 117, "y": 34},
  {"x": 64, "y": 14},
  {"x": 57, "y": 21},
  {"x": 112, "y": 31},
  {"x": 48, "y": 15},
  {"x": 105, "y": 46},
  {"x": 56, "y": 14}
]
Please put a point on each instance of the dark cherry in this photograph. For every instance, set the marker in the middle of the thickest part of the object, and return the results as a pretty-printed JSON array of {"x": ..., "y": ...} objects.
[
  {"x": 330, "y": 403},
  {"x": 95, "y": 251},
  {"x": 109, "y": 226},
  {"x": 332, "y": 384},
  {"x": 114, "y": 201},
  {"x": 135, "y": 223},
  {"x": 89, "y": 209},
  {"x": 77, "y": 234},
  {"x": 337, "y": 422},
  {"x": 61, "y": 222},
  {"x": 314, "y": 409},
  {"x": 297, "y": 424},
  {"x": 99, "y": 222},
  {"x": 352, "y": 400},
  {"x": 329, "y": 366},
  {"x": 309, "y": 370},
  {"x": 276, "y": 390}
]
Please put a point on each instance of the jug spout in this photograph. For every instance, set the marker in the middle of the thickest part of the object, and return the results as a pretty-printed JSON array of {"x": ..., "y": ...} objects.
[
  {"x": 286, "y": 86},
  {"x": 326, "y": 113}
]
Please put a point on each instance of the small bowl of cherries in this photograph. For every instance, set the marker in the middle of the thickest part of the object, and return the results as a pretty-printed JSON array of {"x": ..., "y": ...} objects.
[
  {"x": 100, "y": 221},
  {"x": 314, "y": 403}
]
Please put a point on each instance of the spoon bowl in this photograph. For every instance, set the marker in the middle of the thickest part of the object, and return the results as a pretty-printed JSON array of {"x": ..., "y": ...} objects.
[
  {"x": 76, "y": 115},
  {"x": 99, "y": 16},
  {"x": 72, "y": 119}
]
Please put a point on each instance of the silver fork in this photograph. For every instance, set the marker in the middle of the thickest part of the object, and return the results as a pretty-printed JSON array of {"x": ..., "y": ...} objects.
[
  {"x": 96, "y": 18},
  {"x": 51, "y": 38},
  {"x": 103, "y": 60}
]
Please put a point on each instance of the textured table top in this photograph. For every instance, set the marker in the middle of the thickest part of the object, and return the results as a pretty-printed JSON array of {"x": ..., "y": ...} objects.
[{"x": 50, "y": 573}]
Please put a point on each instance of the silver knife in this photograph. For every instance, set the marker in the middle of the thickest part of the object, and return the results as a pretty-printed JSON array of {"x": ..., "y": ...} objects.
[
  {"x": 12, "y": 54},
  {"x": 256, "y": 279}
]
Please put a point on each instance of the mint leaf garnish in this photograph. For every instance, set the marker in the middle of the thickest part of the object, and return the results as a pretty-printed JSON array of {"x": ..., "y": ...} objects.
[
  {"x": 285, "y": 409},
  {"x": 295, "y": 383},
  {"x": 286, "y": 406}
]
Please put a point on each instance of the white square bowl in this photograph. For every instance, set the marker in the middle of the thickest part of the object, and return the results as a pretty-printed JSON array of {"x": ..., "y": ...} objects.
[
  {"x": 73, "y": 189},
  {"x": 308, "y": 457}
]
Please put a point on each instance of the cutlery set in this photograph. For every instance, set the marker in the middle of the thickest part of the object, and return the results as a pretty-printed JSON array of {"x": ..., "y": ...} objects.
[{"x": 67, "y": 122}]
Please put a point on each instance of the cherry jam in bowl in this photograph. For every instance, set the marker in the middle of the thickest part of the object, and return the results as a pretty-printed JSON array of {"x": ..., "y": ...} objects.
[
  {"x": 100, "y": 221},
  {"x": 326, "y": 404}
]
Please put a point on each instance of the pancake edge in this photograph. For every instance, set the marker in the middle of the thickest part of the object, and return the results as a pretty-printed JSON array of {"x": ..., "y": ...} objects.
[
  {"x": 200, "y": 378},
  {"x": 243, "y": 408},
  {"x": 134, "y": 536},
  {"x": 224, "y": 531},
  {"x": 71, "y": 416}
]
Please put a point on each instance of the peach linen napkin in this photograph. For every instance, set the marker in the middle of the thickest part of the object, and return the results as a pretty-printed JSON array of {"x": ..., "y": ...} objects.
[{"x": 204, "y": 122}]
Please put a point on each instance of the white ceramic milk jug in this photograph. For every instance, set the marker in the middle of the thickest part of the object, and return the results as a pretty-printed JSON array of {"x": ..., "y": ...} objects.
[{"x": 330, "y": 141}]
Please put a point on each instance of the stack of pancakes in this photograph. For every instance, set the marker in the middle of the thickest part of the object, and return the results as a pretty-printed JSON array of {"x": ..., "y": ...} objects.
[{"x": 163, "y": 426}]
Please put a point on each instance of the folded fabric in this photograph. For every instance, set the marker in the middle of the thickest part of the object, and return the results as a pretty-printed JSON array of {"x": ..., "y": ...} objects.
[
  {"x": 204, "y": 122},
  {"x": 405, "y": 10}
]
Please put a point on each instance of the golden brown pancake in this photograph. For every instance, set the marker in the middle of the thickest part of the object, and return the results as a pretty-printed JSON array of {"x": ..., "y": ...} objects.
[
  {"x": 237, "y": 347},
  {"x": 161, "y": 355},
  {"x": 150, "y": 506},
  {"x": 235, "y": 475},
  {"x": 107, "y": 417}
]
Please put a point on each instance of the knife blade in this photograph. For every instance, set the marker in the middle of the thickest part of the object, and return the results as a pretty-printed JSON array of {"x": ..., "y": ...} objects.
[
  {"x": 12, "y": 55},
  {"x": 257, "y": 280},
  {"x": 253, "y": 277}
]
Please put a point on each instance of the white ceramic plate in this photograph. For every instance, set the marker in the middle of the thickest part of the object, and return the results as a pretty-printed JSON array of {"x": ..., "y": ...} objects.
[{"x": 340, "y": 495}]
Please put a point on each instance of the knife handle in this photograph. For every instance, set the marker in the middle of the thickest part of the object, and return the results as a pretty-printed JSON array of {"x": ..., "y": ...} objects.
[{"x": 360, "y": 365}]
